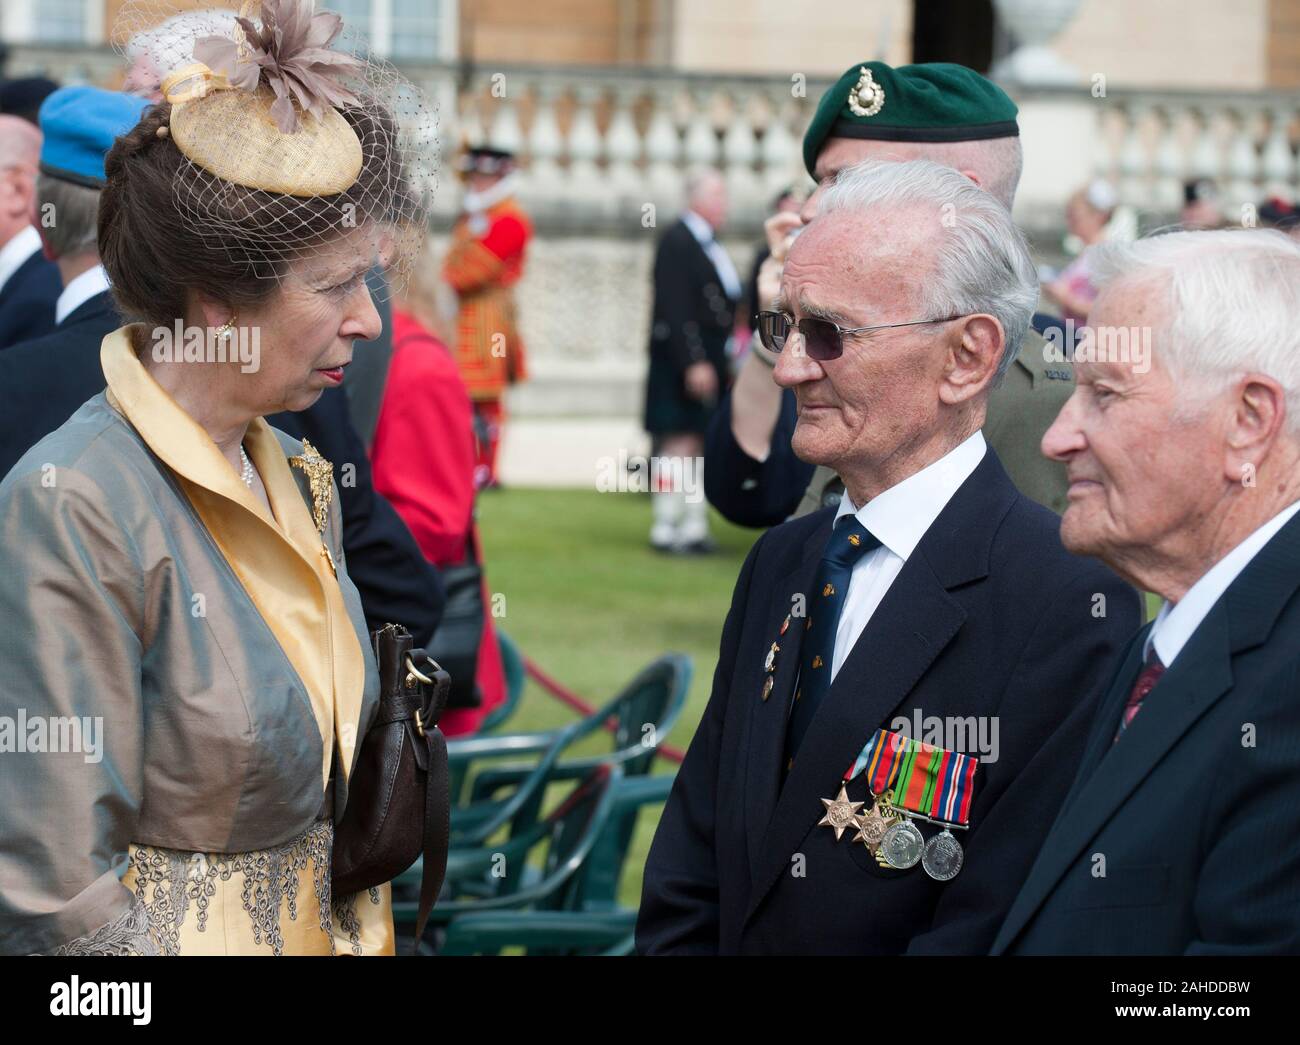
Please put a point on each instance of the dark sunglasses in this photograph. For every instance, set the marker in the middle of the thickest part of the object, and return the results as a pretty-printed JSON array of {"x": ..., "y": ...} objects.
[{"x": 823, "y": 340}]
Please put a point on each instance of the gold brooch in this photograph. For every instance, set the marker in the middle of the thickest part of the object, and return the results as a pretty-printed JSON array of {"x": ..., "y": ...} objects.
[
  {"x": 320, "y": 476},
  {"x": 867, "y": 97}
]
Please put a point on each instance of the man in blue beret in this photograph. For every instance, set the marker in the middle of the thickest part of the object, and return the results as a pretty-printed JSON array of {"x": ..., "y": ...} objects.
[{"x": 935, "y": 111}]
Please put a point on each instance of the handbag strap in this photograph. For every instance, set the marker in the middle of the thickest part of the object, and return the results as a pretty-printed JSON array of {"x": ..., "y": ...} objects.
[
  {"x": 437, "y": 798},
  {"x": 437, "y": 828}
]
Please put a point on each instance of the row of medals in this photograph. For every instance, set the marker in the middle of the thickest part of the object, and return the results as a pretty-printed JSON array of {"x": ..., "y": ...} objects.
[
  {"x": 892, "y": 838},
  {"x": 886, "y": 831}
]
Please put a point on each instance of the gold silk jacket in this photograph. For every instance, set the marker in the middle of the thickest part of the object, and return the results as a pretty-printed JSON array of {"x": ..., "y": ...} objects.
[{"x": 147, "y": 599}]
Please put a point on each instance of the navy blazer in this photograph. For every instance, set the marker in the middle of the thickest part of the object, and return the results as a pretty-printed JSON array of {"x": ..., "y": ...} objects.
[
  {"x": 989, "y": 617},
  {"x": 1184, "y": 837},
  {"x": 43, "y": 382},
  {"x": 27, "y": 300},
  {"x": 748, "y": 492}
]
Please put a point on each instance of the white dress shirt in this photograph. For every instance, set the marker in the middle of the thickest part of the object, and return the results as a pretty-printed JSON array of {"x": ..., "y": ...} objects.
[
  {"x": 898, "y": 518},
  {"x": 703, "y": 233},
  {"x": 1176, "y": 622},
  {"x": 14, "y": 254},
  {"x": 82, "y": 288}
]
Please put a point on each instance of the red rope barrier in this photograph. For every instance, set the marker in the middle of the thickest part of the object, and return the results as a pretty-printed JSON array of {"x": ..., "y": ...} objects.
[{"x": 572, "y": 700}]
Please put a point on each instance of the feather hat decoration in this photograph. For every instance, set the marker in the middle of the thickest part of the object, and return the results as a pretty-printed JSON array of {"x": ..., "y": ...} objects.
[{"x": 290, "y": 52}]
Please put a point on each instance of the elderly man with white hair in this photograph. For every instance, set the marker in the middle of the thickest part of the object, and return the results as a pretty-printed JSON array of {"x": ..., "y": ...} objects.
[
  {"x": 1179, "y": 835},
  {"x": 905, "y": 681}
]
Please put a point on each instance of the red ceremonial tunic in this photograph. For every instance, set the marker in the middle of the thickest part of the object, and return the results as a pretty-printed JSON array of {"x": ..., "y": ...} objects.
[
  {"x": 423, "y": 462},
  {"x": 483, "y": 269}
]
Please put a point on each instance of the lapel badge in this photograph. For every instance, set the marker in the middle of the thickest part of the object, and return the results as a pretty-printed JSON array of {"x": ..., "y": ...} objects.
[
  {"x": 785, "y": 624},
  {"x": 867, "y": 97},
  {"x": 767, "y": 687},
  {"x": 769, "y": 665}
]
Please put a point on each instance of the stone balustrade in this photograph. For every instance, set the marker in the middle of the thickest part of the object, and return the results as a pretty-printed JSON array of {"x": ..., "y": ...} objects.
[{"x": 600, "y": 143}]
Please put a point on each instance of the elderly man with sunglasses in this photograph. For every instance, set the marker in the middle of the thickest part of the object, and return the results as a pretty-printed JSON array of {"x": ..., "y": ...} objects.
[
  {"x": 934, "y": 111},
  {"x": 905, "y": 681}
]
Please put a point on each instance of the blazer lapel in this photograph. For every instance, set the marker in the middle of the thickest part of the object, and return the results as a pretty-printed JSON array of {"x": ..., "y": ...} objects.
[
  {"x": 912, "y": 625},
  {"x": 1107, "y": 717},
  {"x": 1111, "y": 772},
  {"x": 914, "y": 622},
  {"x": 1241, "y": 619},
  {"x": 767, "y": 720}
]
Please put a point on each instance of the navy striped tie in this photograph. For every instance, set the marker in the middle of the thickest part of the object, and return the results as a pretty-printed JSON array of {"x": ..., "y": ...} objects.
[{"x": 849, "y": 541}]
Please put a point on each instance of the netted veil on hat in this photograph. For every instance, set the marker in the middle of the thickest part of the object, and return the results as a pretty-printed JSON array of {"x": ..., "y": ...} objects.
[{"x": 287, "y": 138}]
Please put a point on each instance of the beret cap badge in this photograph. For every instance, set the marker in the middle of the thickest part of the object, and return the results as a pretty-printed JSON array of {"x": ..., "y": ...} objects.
[{"x": 867, "y": 97}]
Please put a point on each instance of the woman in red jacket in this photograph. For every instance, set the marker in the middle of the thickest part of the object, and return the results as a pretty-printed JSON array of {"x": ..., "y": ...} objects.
[{"x": 423, "y": 459}]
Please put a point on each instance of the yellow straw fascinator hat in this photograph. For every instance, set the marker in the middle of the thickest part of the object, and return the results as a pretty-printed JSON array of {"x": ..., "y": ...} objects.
[{"x": 286, "y": 137}]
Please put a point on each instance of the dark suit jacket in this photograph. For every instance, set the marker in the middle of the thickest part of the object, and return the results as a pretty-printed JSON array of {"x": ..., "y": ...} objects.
[
  {"x": 990, "y": 616},
  {"x": 1194, "y": 815},
  {"x": 27, "y": 300},
  {"x": 43, "y": 382},
  {"x": 748, "y": 492},
  {"x": 692, "y": 319}
]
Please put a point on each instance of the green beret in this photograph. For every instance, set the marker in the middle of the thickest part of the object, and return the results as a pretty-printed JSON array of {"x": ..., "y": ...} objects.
[{"x": 931, "y": 102}]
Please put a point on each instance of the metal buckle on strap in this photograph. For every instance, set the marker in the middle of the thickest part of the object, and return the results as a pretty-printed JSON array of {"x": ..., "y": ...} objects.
[{"x": 414, "y": 674}]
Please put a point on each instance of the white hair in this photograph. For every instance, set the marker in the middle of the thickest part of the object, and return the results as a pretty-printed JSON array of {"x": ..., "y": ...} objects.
[
  {"x": 1232, "y": 299},
  {"x": 701, "y": 180},
  {"x": 982, "y": 262}
]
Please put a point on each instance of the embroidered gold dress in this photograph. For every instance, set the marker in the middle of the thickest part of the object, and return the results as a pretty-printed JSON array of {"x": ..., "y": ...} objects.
[{"x": 145, "y": 589}]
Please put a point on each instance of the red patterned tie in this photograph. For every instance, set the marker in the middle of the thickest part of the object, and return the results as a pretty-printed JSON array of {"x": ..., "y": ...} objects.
[{"x": 1152, "y": 669}]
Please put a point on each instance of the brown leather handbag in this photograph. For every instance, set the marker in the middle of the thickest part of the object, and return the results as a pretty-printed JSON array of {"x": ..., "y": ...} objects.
[{"x": 399, "y": 802}]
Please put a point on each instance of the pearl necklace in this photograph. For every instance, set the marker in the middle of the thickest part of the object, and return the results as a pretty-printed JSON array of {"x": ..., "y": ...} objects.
[{"x": 246, "y": 472}]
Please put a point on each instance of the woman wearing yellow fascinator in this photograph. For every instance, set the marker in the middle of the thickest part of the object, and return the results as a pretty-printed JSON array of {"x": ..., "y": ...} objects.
[{"x": 171, "y": 573}]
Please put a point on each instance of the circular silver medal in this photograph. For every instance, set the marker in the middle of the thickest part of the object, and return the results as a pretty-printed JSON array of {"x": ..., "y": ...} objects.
[
  {"x": 902, "y": 845},
  {"x": 943, "y": 857}
]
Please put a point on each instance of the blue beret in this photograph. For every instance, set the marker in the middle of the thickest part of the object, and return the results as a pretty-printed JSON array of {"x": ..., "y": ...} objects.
[{"x": 80, "y": 125}]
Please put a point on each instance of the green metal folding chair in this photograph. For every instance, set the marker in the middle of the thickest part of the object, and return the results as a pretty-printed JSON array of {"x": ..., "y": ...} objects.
[
  {"x": 642, "y": 716},
  {"x": 536, "y": 869},
  {"x": 596, "y": 924}
]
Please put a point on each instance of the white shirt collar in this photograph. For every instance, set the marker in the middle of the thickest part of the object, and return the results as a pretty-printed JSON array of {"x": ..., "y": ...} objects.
[
  {"x": 700, "y": 228},
  {"x": 477, "y": 202},
  {"x": 1177, "y": 622},
  {"x": 16, "y": 252},
  {"x": 899, "y": 516},
  {"x": 717, "y": 254},
  {"x": 84, "y": 287}
]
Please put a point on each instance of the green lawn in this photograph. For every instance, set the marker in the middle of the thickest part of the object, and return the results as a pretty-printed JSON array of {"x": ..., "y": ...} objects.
[{"x": 591, "y": 604}]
